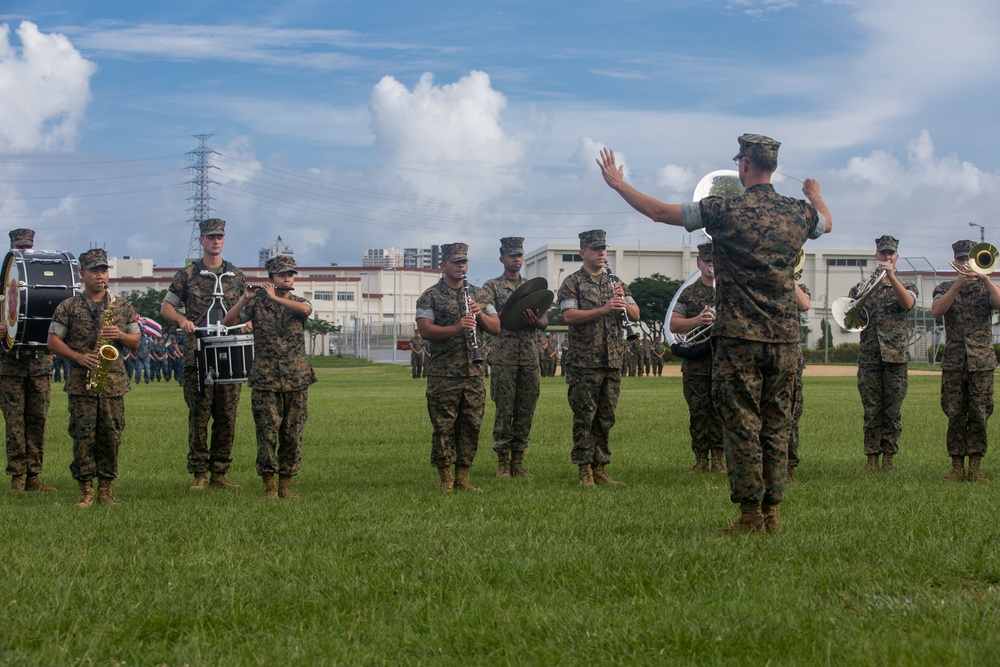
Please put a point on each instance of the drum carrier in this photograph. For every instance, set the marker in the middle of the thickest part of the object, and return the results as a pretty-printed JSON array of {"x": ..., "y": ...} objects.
[{"x": 222, "y": 357}]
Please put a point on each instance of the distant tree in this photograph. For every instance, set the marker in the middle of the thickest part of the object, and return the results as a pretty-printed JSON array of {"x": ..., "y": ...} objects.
[
  {"x": 653, "y": 295},
  {"x": 148, "y": 305},
  {"x": 316, "y": 327}
]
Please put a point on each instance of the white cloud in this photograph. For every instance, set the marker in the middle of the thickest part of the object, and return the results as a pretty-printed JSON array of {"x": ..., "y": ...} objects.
[{"x": 45, "y": 88}]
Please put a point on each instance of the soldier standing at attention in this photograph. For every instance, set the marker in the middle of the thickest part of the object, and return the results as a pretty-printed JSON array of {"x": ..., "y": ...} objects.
[
  {"x": 646, "y": 348},
  {"x": 192, "y": 292},
  {"x": 658, "y": 350},
  {"x": 967, "y": 305},
  {"x": 281, "y": 373},
  {"x": 695, "y": 308},
  {"x": 564, "y": 348},
  {"x": 515, "y": 385},
  {"x": 416, "y": 355},
  {"x": 96, "y": 417},
  {"x": 592, "y": 307},
  {"x": 24, "y": 381},
  {"x": 143, "y": 366},
  {"x": 803, "y": 301},
  {"x": 882, "y": 371},
  {"x": 456, "y": 397},
  {"x": 755, "y": 237}
]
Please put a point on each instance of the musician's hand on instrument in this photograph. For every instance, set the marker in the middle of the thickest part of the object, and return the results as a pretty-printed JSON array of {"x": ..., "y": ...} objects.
[
  {"x": 615, "y": 304},
  {"x": 888, "y": 265},
  {"x": 474, "y": 308},
  {"x": 530, "y": 315},
  {"x": 111, "y": 333},
  {"x": 249, "y": 292},
  {"x": 90, "y": 360},
  {"x": 3, "y": 331},
  {"x": 186, "y": 325},
  {"x": 613, "y": 175},
  {"x": 706, "y": 316},
  {"x": 467, "y": 322},
  {"x": 810, "y": 188}
]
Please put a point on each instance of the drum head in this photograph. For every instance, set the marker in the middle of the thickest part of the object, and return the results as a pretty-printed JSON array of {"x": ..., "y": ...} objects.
[{"x": 11, "y": 295}]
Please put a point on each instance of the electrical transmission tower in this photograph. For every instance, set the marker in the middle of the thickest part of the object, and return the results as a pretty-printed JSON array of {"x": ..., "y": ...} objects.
[{"x": 201, "y": 200}]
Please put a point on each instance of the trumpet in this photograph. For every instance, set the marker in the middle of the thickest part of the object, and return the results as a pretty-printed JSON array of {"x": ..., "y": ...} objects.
[
  {"x": 850, "y": 313},
  {"x": 477, "y": 357},
  {"x": 630, "y": 333},
  {"x": 983, "y": 260}
]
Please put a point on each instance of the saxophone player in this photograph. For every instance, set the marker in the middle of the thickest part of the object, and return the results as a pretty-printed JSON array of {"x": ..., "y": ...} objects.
[{"x": 81, "y": 325}]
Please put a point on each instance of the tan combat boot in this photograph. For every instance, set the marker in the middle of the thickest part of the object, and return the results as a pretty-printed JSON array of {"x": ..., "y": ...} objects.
[
  {"x": 219, "y": 481},
  {"x": 200, "y": 482},
  {"x": 957, "y": 473},
  {"x": 462, "y": 482},
  {"x": 34, "y": 484},
  {"x": 285, "y": 487},
  {"x": 718, "y": 461},
  {"x": 104, "y": 496},
  {"x": 447, "y": 483},
  {"x": 975, "y": 474},
  {"x": 886, "y": 462},
  {"x": 270, "y": 488},
  {"x": 751, "y": 520},
  {"x": 772, "y": 519},
  {"x": 700, "y": 463},
  {"x": 872, "y": 464},
  {"x": 503, "y": 465},
  {"x": 16, "y": 483},
  {"x": 790, "y": 478},
  {"x": 517, "y": 465},
  {"x": 86, "y": 498},
  {"x": 601, "y": 477},
  {"x": 586, "y": 475}
]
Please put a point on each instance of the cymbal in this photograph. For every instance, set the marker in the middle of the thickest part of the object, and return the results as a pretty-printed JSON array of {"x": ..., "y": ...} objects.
[
  {"x": 526, "y": 288},
  {"x": 539, "y": 301}
]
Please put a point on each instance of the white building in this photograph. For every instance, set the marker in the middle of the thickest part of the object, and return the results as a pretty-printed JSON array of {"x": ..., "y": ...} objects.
[
  {"x": 382, "y": 257},
  {"x": 279, "y": 248}
]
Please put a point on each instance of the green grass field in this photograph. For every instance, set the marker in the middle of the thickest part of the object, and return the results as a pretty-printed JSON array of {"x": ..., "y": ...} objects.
[{"x": 374, "y": 566}]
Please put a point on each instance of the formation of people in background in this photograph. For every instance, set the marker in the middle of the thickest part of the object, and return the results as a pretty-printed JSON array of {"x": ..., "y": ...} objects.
[{"x": 742, "y": 381}]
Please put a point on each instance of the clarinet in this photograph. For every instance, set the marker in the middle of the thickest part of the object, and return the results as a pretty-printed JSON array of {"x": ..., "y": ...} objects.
[
  {"x": 477, "y": 357},
  {"x": 630, "y": 333}
]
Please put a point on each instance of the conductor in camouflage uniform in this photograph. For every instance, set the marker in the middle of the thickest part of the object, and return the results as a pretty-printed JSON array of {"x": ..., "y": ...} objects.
[
  {"x": 191, "y": 292},
  {"x": 281, "y": 373},
  {"x": 882, "y": 373},
  {"x": 416, "y": 355},
  {"x": 514, "y": 386},
  {"x": 756, "y": 236},
  {"x": 24, "y": 382},
  {"x": 967, "y": 305},
  {"x": 592, "y": 307},
  {"x": 803, "y": 301},
  {"x": 695, "y": 309},
  {"x": 456, "y": 397},
  {"x": 96, "y": 415}
]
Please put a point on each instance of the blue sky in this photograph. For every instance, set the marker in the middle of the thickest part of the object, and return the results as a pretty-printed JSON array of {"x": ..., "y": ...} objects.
[{"x": 343, "y": 126}]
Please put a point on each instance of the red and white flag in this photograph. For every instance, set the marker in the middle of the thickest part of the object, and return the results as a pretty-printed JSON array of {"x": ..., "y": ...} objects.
[{"x": 149, "y": 326}]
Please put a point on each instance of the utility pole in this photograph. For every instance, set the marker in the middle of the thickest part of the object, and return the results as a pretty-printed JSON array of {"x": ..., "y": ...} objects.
[
  {"x": 201, "y": 200},
  {"x": 982, "y": 232}
]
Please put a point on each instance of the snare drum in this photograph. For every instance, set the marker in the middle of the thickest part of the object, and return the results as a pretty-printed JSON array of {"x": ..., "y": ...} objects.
[
  {"x": 34, "y": 283},
  {"x": 224, "y": 359}
]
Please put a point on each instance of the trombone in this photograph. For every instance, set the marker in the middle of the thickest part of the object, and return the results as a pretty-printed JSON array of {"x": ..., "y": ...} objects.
[{"x": 983, "y": 260}]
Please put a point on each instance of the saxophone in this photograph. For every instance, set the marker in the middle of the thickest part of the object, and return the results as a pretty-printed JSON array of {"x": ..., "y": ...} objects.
[{"x": 98, "y": 377}]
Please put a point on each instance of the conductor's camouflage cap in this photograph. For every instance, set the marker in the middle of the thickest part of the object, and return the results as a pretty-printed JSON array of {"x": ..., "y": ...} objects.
[
  {"x": 759, "y": 147},
  {"x": 455, "y": 252},
  {"x": 22, "y": 238},
  {"x": 886, "y": 242},
  {"x": 595, "y": 238},
  {"x": 213, "y": 226},
  {"x": 962, "y": 248},
  {"x": 94, "y": 258},
  {"x": 280, "y": 264},
  {"x": 705, "y": 252},
  {"x": 512, "y": 245}
]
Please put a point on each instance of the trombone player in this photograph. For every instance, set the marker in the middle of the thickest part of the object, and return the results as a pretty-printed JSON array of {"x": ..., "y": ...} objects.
[
  {"x": 967, "y": 305},
  {"x": 882, "y": 373}
]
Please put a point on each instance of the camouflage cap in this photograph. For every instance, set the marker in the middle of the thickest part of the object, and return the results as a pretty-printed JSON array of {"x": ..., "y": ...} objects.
[
  {"x": 512, "y": 245},
  {"x": 962, "y": 248},
  {"x": 280, "y": 264},
  {"x": 595, "y": 238},
  {"x": 22, "y": 238},
  {"x": 886, "y": 242},
  {"x": 455, "y": 252},
  {"x": 705, "y": 251},
  {"x": 757, "y": 146},
  {"x": 213, "y": 226},
  {"x": 94, "y": 258}
]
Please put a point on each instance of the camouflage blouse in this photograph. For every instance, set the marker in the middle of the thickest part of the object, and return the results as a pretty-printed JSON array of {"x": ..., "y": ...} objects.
[
  {"x": 599, "y": 343},
  {"x": 690, "y": 303},
  {"x": 968, "y": 326},
  {"x": 445, "y": 306},
  {"x": 279, "y": 346},
  {"x": 884, "y": 339},
  {"x": 511, "y": 348},
  {"x": 191, "y": 294}
]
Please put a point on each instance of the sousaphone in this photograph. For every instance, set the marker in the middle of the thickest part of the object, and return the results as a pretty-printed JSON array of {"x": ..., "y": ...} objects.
[{"x": 533, "y": 294}]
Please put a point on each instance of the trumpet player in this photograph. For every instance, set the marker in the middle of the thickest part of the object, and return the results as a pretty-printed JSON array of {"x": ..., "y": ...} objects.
[
  {"x": 695, "y": 310},
  {"x": 756, "y": 236},
  {"x": 96, "y": 421},
  {"x": 448, "y": 315},
  {"x": 592, "y": 303},
  {"x": 882, "y": 373},
  {"x": 967, "y": 305}
]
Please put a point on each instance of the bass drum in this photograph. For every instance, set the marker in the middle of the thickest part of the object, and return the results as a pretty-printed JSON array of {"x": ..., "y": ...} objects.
[{"x": 34, "y": 283}]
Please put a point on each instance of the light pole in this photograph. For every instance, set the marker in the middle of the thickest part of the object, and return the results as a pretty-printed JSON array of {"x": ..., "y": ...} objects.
[
  {"x": 982, "y": 232},
  {"x": 559, "y": 279},
  {"x": 395, "y": 327},
  {"x": 368, "y": 299}
]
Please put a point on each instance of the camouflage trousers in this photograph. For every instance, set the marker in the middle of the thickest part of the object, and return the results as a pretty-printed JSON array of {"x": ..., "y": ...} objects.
[
  {"x": 456, "y": 406},
  {"x": 793, "y": 443},
  {"x": 514, "y": 390},
  {"x": 967, "y": 401},
  {"x": 416, "y": 365},
  {"x": 704, "y": 422},
  {"x": 280, "y": 417},
  {"x": 657, "y": 366},
  {"x": 96, "y": 424},
  {"x": 882, "y": 387},
  {"x": 25, "y": 404},
  {"x": 593, "y": 396},
  {"x": 752, "y": 386},
  {"x": 219, "y": 404}
]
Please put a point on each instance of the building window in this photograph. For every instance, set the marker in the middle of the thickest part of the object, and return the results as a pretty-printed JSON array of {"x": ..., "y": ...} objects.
[
  {"x": 847, "y": 262},
  {"x": 572, "y": 258},
  {"x": 323, "y": 295},
  {"x": 345, "y": 296}
]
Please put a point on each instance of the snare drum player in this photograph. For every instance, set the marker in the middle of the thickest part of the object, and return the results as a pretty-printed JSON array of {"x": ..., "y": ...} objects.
[
  {"x": 24, "y": 381},
  {"x": 281, "y": 373},
  {"x": 192, "y": 292},
  {"x": 96, "y": 419},
  {"x": 456, "y": 397}
]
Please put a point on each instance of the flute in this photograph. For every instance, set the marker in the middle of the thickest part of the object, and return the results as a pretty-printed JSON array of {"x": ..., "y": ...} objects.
[
  {"x": 477, "y": 357},
  {"x": 630, "y": 333}
]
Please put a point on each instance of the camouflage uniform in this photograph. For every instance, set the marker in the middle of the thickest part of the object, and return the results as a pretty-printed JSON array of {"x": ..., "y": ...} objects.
[
  {"x": 551, "y": 354},
  {"x": 96, "y": 422},
  {"x": 456, "y": 397},
  {"x": 280, "y": 381},
  {"x": 514, "y": 386},
  {"x": 562, "y": 358},
  {"x": 756, "y": 236},
  {"x": 416, "y": 355},
  {"x": 882, "y": 372},
  {"x": 143, "y": 362},
  {"x": 26, "y": 392},
  {"x": 645, "y": 352},
  {"x": 704, "y": 421},
  {"x": 592, "y": 363},
  {"x": 967, "y": 368},
  {"x": 192, "y": 292},
  {"x": 659, "y": 349},
  {"x": 793, "y": 445}
]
